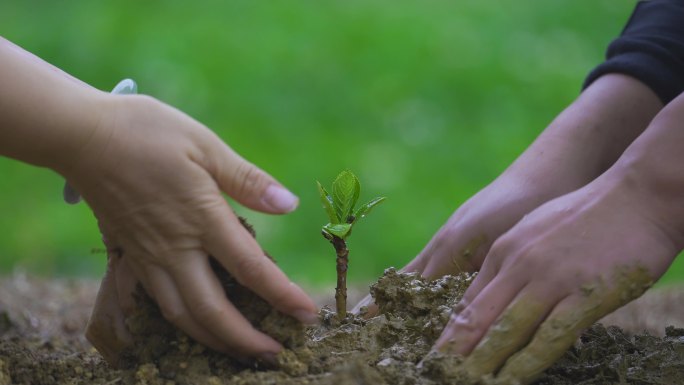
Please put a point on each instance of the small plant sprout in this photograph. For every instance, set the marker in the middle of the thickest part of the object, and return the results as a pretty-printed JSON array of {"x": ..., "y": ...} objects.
[{"x": 340, "y": 209}]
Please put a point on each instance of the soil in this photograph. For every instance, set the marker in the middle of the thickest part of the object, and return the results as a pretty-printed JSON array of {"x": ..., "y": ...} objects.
[{"x": 41, "y": 341}]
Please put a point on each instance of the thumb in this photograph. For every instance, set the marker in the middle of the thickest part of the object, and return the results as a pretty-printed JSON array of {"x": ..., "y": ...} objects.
[{"x": 248, "y": 184}]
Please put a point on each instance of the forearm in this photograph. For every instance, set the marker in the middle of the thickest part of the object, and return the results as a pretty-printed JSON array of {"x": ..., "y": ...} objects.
[
  {"x": 584, "y": 140},
  {"x": 653, "y": 167},
  {"x": 577, "y": 147},
  {"x": 46, "y": 115}
]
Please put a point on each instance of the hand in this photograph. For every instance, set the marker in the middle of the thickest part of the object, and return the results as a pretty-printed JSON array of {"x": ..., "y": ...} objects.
[
  {"x": 106, "y": 328},
  {"x": 580, "y": 144},
  {"x": 463, "y": 242},
  {"x": 153, "y": 177},
  {"x": 563, "y": 267}
]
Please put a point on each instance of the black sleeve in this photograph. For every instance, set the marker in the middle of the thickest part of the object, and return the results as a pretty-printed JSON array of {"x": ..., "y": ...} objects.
[{"x": 650, "y": 48}]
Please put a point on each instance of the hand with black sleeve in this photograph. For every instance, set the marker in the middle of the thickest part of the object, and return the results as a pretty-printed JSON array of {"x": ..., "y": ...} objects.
[
  {"x": 574, "y": 258},
  {"x": 585, "y": 220}
]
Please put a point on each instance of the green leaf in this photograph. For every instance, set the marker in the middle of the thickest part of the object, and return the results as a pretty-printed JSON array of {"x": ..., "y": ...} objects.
[
  {"x": 365, "y": 209},
  {"x": 341, "y": 229},
  {"x": 327, "y": 204},
  {"x": 345, "y": 193}
]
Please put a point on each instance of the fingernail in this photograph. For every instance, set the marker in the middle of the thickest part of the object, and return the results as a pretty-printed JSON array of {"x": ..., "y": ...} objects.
[
  {"x": 458, "y": 308},
  {"x": 280, "y": 198},
  {"x": 306, "y": 317}
]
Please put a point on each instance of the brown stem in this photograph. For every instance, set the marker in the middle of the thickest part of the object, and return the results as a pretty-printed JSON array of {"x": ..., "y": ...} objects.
[{"x": 342, "y": 264}]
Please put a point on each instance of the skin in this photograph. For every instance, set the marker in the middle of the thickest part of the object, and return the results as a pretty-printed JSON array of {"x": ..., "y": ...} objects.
[
  {"x": 542, "y": 280},
  {"x": 579, "y": 145},
  {"x": 154, "y": 178},
  {"x": 561, "y": 332},
  {"x": 575, "y": 259},
  {"x": 582, "y": 223}
]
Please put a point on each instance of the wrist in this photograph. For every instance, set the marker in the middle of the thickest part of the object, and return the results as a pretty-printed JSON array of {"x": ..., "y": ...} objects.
[
  {"x": 654, "y": 190},
  {"x": 101, "y": 135},
  {"x": 73, "y": 131}
]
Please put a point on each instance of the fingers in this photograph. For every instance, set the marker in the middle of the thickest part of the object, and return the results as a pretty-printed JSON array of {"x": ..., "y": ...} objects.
[
  {"x": 482, "y": 280},
  {"x": 569, "y": 318},
  {"x": 248, "y": 184},
  {"x": 106, "y": 328},
  {"x": 466, "y": 326},
  {"x": 172, "y": 306},
  {"x": 554, "y": 336},
  {"x": 239, "y": 253},
  {"x": 125, "y": 283},
  {"x": 512, "y": 330},
  {"x": 471, "y": 320},
  {"x": 205, "y": 299},
  {"x": 159, "y": 286},
  {"x": 524, "y": 333}
]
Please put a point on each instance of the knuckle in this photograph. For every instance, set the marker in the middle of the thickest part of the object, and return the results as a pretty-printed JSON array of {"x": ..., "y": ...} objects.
[
  {"x": 249, "y": 178},
  {"x": 505, "y": 247},
  {"x": 207, "y": 310},
  {"x": 172, "y": 313},
  {"x": 502, "y": 244},
  {"x": 531, "y": 257},
  {"x": 469, "y": 324},
  {"x": 444, "y": 236},
  {"x": 250, "y": 270}
]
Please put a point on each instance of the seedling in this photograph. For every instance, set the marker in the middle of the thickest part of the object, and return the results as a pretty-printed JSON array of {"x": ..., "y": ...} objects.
[{"x": 343, "y": 216}]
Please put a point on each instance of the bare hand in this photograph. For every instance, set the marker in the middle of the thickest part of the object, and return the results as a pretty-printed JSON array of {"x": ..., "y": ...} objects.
[
  {"x": 563, "y": 267},
  {"x": 154, "y": 177},
  {"x": 106, "y": 328},
  {"x": 578, "y": 146}
]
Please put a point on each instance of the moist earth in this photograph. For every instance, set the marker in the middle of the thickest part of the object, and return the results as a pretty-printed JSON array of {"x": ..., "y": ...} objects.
[{"x": 391, "y": 348}]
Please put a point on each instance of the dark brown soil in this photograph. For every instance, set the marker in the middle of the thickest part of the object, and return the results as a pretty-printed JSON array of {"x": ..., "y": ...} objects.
[
  {"x": 41, "y": 341},
  {"x": 382, "y": 350}
]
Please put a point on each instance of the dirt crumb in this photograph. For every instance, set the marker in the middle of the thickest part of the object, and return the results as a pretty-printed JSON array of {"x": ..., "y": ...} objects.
[
  {"x": 43, "y": 344},
  {"x": 391, "y": 348}
]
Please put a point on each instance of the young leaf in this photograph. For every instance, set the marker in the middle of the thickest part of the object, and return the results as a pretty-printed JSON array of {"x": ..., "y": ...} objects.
[
  {"x": 355, "y": 197},
  {"x": 365, "y": 209},
  {"x": 340, "y": 230},
  {"x": 327, "y": 204},
  {"x": 345, "y": 189}
]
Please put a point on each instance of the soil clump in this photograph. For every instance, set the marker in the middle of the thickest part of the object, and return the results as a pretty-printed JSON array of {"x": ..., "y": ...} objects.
[{"x": 391, "y": 348}]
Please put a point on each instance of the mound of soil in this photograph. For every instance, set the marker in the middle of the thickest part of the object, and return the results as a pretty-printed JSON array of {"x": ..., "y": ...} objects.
[
  {"x": 386, "y": 349},
  {"x": 391, "y": 348}
]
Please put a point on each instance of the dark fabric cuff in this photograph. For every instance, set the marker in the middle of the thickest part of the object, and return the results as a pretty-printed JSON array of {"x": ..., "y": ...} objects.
[
  {"x": 667, "y": 82},
  {"x": 650, "y": 49}
]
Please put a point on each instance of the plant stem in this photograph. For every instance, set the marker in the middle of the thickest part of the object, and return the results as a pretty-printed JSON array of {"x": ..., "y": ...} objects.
[{"x": 342, "y": 264}]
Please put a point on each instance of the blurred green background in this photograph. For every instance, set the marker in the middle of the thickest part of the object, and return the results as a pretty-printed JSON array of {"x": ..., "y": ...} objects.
[{"x": 427, "y": 101}]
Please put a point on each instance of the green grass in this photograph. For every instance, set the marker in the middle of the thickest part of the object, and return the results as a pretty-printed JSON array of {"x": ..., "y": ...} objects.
[{"x": 434, "y": 99}]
